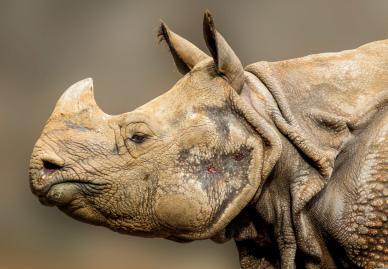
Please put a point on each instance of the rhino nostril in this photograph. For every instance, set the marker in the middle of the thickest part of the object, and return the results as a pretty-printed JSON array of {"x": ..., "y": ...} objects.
[{"x": 51, "y": 166}]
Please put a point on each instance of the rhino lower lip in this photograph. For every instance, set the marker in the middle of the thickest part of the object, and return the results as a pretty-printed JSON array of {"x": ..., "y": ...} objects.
[
  {"x": 60, "y": 194},
  {"x": 63, "y": 192}
]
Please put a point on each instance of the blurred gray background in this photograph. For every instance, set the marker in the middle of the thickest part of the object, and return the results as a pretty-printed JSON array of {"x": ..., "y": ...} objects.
[{"x": 46, "y": 45}]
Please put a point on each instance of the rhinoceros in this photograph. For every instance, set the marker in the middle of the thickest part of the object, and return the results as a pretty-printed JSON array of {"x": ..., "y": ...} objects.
[{"x": 288, "y": 158}]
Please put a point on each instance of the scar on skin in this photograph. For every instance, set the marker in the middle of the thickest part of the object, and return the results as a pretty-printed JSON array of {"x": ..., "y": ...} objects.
[
  {"x": 211, "y": 169},
  {"x": 73, "y": 125}
]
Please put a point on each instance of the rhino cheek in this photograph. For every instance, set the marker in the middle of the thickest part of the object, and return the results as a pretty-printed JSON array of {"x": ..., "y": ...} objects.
[{"x": 182, "y": 212}]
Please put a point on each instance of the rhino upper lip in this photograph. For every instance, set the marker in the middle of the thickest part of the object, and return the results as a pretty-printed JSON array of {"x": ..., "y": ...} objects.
[{"x": 42, "y": 190}]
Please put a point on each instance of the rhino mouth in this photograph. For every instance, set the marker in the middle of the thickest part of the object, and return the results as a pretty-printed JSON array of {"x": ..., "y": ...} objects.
[
  {"x": 60, "y": 194},
  {"x": 71, "y": 197},
  {"x": 59, "y": 191}
]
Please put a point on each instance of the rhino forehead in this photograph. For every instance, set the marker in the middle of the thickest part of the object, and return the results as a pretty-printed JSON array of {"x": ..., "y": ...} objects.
[{"x": 196, "y": 89}]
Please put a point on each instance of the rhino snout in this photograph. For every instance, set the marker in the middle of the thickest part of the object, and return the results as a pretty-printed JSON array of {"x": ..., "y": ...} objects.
[
  {"x": 42, "y": 170},
  {"x": 47, "y": 182}
]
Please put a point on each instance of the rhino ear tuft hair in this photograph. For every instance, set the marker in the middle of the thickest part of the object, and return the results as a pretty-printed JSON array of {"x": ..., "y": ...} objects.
[
  {"x": 226, "y": 61},
  {"x": 185, "y": 54}
]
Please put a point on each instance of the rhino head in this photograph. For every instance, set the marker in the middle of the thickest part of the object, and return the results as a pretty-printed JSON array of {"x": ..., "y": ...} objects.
[{"x": 181, "y": 167}]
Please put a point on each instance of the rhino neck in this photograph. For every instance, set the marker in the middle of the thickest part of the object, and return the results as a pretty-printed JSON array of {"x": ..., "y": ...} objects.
[
  {"x": 299, "y": 174},
  {"x": 277, "y": 215},
  {"x": 302, "y": 125},
  {"x": 257, "y": 95},
  {"x": 277, "y": 225}
]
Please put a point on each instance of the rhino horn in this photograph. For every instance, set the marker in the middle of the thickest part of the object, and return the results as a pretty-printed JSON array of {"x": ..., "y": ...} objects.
[
  {"x": 78, "y": 97},
  {"x": 227, "y": 63}
]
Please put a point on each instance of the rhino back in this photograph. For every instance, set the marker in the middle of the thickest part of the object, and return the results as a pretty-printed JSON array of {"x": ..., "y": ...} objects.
[
  {"x": 325, "y": 97},
  {"x": 348, "y": 84}
]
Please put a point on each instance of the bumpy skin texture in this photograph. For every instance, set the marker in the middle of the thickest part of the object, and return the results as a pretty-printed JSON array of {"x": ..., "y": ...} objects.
[{"x": 289, "y": 159}]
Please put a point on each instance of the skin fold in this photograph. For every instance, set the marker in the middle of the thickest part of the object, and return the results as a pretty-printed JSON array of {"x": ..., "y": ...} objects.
[{"x": 289, "y": 158}]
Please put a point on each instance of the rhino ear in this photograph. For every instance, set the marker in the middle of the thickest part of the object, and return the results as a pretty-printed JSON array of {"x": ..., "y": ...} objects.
[
  {"x": 227, "y": 63},
  {"x": 185, "y": 54}
]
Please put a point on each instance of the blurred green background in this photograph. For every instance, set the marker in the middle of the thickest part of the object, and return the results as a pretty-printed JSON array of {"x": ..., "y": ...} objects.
[{"x": 46, "y": 45}]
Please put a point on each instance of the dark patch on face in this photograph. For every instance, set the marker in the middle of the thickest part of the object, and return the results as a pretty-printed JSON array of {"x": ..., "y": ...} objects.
[
  {"x": 220, "y": 116},
  {"x": 222, "y": 177},
  {"x": 76, "y": 126},
  {"x": 239, "y": 156}
]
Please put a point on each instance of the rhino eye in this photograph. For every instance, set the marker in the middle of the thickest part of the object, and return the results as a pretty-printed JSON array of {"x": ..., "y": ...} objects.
[{"x": 138, "y": 138}]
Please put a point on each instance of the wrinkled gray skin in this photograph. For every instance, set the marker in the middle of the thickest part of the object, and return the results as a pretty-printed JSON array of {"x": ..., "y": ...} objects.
[{"x": 289, "y": 159}]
